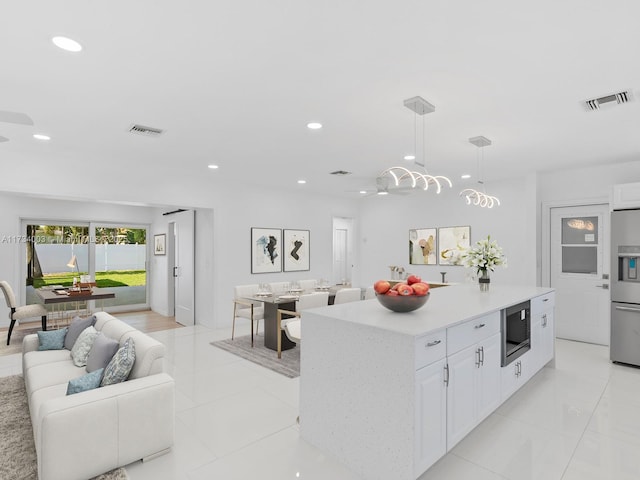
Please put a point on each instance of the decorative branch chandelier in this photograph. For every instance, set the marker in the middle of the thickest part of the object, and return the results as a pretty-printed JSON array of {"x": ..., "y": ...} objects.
[
  {"x": 477, "y": 197},
  {"x": 403, "y": 177}
]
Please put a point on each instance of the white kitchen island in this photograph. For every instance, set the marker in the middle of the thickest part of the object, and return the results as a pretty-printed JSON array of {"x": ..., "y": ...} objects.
[{"x": 389, "y": 394}]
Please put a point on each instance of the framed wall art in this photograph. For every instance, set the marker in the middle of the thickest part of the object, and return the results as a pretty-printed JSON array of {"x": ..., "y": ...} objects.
[
  {"x": 266, "y": 250},
  {"x": 423, "y": 247},
  {"x": 160, "y": 244},
  {"x": 296, "y": 250},
  {"x": 452, "y": 242}
]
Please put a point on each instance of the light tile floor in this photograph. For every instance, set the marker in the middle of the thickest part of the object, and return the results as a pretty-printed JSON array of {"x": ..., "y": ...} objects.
[{"x": 237, "y": 421}]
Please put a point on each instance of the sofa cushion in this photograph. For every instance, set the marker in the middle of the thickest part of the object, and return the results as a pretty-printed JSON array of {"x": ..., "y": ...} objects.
[
  {"x": 76, "y": 327},
  {"x": 81, "y": 348},
  {"x": 149, "y": 355},
  {"x": 120, "y": 365},
  {"x": 47, "y": 375},
  {"x": 32, "y": 359},
  {"x": 86, "y": 382},
  {"x": 51, "y": 339},
  {"x": 103, "y": 350}
]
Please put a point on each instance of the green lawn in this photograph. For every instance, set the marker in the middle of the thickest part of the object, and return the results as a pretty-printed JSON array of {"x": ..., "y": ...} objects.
[{"x": 118, "y": 278}]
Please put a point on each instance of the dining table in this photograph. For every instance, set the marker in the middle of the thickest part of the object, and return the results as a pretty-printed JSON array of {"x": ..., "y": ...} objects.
[{"x": 56, "y": 299}]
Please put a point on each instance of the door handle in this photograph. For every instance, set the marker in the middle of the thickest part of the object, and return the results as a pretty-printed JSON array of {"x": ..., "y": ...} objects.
[
  {"x": 478, "y": 358},
  {"x": 628, "y": 309},
  {"x": 175, "y": 271},
  {"x": 482, "y": 356},
  {"x": 544, "y": 320},
  {"x": 446, "y": 374},
  {"x": 605, "y": 286}
]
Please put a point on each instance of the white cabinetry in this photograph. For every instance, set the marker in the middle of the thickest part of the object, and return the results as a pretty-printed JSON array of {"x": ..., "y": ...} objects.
[
  {"x": 543, "y": 329},
  {"x": 474, "y": 375},
  {"x": 430, "y": 415},
  {"x": 516, "y": 374}
]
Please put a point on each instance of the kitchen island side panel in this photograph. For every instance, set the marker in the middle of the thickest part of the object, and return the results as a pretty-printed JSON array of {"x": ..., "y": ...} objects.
[{"x": 357, "y": 395}]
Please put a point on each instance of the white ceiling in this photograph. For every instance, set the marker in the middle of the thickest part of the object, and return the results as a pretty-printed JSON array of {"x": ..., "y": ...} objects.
[{"x": 235, "y": 82}]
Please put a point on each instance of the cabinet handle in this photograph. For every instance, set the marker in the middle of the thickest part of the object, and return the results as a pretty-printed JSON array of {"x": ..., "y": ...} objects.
[
  {"x": 482, "y": 356},
  {"x": 480, "y": 325},
  {"x": 477, "y": 358},
  {"x": 446, "y": 374},
  {"x": 544, "y": 320},
  {"x": 628, "y": 309},
  {"x": 433, "y": 344},
  {"x": 545, "y": 299}
]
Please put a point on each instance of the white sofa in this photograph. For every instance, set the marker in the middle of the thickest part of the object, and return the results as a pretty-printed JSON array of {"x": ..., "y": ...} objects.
[{"x": 85, "y": 434}]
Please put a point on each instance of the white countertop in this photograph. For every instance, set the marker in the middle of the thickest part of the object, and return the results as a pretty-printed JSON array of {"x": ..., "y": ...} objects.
[{"x": 447, "y": 306}]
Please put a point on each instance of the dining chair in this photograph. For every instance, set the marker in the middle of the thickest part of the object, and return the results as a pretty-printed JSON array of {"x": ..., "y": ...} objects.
[
  {"x": 369, "y": 293},
  {"x": 308, "y": 285},
  {"x": 18, "y": 314},
  {"x": 292, "y": 328},
  {"x": 244, "y": 308},
  {"x": 345, "y": 295},
  {"x": 279, "y": 287}
]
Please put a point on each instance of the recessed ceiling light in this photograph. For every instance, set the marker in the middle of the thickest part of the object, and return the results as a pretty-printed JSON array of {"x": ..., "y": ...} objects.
[
  {"x": 363, "y": 191},
  {"x": 212, "y": 167},
  {"x": 314, "y": 125},
  {"x": 66, "y": 44},
  {"x": 39, "y": 136},
  {"x": 409, "y": 157},
  {"x": 302, "y": 181},
  {"x": 465, "y": 176},
  {"x": 383, "y": 193}
]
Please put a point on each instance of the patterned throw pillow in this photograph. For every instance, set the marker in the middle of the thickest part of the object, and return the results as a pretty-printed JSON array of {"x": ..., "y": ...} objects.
[
  {"x": 51, "y": 339},
  {"x": 81, "y": 348},
  {"x": 76, "y": 327},
  {"x": 120, "y": 365},
  {"x": 85, "y": 382}
]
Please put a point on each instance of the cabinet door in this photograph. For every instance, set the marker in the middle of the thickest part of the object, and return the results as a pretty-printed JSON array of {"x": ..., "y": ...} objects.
[
  {"x": 510, "y": 383},
  {"x": 430, "y": 416},
  {"x": 488, "y": 391},
  {"x": 461, "y": 401},
  {"x": 547, "y": 338}
]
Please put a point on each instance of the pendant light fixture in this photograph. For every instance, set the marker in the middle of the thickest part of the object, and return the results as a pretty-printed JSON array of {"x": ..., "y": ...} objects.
[
  {"x": 477, "y": 197},
  {"x": 404, "y": 177}
]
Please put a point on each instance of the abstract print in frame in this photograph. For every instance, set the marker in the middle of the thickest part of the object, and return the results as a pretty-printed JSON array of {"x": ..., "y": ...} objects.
[
  {"x": 266, "y": 248},
  {"x": 452, "y": 242},
  {"x": 296, "y": 250},
  {"x": 422, "y": 246}
]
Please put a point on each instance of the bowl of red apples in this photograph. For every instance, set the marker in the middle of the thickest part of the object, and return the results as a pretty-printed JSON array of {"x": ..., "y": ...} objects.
[{"x": 404, "y": 296}]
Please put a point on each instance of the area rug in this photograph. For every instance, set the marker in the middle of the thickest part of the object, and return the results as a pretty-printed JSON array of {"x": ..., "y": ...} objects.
[
  {"x": 17, "y": 449},
  {"x": 288, "y": 365},
  {"x": 19, "y": 332}
]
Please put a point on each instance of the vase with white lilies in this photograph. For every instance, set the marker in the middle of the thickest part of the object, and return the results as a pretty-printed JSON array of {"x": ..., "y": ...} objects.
[{"x": 484, "y": 256}]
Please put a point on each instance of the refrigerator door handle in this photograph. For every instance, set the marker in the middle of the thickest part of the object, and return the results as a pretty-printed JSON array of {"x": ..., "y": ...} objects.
[{"x": 627, "y": 309}]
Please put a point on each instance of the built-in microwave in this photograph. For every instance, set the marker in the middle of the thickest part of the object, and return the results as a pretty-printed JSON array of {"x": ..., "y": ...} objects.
[{"x": 516, "y": 331}]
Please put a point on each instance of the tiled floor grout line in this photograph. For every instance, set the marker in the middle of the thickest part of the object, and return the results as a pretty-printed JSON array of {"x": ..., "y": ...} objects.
[{"x": 564, "y": 472}]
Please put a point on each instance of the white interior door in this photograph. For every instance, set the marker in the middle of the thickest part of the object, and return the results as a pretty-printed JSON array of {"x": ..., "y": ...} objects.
[
  {"x": 580, "y": 272},
  {"x": 342, "y": 235},
  {"x": 184, "y": 271}
]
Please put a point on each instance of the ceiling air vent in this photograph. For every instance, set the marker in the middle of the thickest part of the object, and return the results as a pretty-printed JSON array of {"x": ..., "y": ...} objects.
[
  {"x": 340, "y": 172},
  {"x": 614, "y": 99},
  {"x": 147, "y": 131}
]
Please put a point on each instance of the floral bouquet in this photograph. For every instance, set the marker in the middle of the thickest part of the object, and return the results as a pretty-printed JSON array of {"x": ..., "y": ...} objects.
[{"x": 485, "y": 255}]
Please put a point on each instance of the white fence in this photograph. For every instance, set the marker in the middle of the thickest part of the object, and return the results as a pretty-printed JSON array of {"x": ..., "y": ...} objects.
[{"x": 54, "y": 258}]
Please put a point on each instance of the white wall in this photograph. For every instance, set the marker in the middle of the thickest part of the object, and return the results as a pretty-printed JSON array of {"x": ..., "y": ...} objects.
[{"x": 385, "y": 223}]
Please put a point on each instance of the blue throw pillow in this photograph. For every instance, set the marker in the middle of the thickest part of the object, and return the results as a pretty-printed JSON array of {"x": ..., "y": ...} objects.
[
  {"x": 85, "y": 382},
  {"x": 51, "y": 339}
]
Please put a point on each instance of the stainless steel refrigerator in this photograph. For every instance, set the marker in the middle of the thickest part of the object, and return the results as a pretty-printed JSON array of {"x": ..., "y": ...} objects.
[{"x": 625, "y": 287}]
